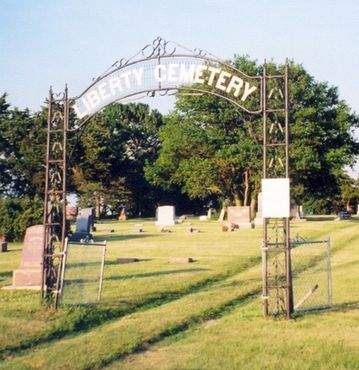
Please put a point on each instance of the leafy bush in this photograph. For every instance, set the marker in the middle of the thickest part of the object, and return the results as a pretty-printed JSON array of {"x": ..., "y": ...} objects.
[
  {"x": 319, "y": 207},
  {"x": 16, "y": 214}
]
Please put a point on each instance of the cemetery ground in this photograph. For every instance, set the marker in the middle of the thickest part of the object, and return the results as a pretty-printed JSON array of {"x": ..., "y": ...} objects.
[{"x": 157, "y": 313}]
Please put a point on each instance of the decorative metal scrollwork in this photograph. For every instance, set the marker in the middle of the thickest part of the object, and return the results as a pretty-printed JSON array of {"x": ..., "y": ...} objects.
[{"x": 159, "y": 48}]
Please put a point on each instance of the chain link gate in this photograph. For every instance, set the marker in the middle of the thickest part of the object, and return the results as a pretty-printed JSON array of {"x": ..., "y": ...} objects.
[
  {"x": 312, "y": 280},
  {"x": 82, "y": 273}
]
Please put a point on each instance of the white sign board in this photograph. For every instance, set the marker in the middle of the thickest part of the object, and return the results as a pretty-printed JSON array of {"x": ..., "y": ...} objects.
[
  {"x": 275, "y": 198},
  {"x": 165, "y": 216}
]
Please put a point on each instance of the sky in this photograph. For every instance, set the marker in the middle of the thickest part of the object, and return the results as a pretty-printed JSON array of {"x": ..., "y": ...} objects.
[{"x": 45, "y": 43}]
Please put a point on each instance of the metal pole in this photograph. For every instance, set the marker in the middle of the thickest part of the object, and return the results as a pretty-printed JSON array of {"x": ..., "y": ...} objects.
[
  {"x": 329, "y": 272},
  {"x": 101, "y": 274},
  {"x": 265, "y": 221},
  {"x": 63, "y": 267},
  {"x": 63, "y": 216},
  {"x": 289, "y": 290},
  {"x": 46, "y": 197}
]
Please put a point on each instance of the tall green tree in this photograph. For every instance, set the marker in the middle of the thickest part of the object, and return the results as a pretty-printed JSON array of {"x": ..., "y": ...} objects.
[
  {"x": 112, "y": 152},
  {"x": 22, "y": 151},
  {"x": 210, "y": 148}
]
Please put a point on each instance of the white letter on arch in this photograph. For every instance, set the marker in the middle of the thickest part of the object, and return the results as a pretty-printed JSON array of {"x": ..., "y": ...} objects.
[{"x": 160, "y": 68}]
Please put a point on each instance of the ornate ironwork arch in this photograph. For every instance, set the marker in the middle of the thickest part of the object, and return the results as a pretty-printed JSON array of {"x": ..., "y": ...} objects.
[{"x": 198, "y": 72}]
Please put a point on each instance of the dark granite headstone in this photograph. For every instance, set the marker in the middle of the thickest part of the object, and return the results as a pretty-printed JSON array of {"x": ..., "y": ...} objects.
[
  {"x": 30, "y": 272},
  {"x": 3, "y": 243}
]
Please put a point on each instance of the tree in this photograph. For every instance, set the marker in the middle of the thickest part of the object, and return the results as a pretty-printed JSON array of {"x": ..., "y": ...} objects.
[
  {"x": 349, "y": 193},
  {"x": 22, "y": 151},
  {"x": 209, "y": 148},
  {"x": 112, "y": 152},
  {"x": 16, "y": 214}
]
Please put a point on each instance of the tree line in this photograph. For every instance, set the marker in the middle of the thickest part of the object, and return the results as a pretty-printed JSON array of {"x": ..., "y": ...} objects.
[{"x": 203, "y": 153}]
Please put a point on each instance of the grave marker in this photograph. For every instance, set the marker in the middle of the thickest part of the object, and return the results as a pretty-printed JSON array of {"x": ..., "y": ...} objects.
[
  {"x": 259, "y": 216},
  {"x": 239, "y": 216},
  {"x": 3, "y": 243},
  {"x": 30, "y": 272},
  {"x": 165, "y": 216},
  {"x": 84, "y": 224},
  {"x": 122, "y": 216}
]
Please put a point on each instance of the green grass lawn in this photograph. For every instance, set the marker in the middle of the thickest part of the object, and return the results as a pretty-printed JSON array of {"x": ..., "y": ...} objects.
[{"x": 157, "y": 314}]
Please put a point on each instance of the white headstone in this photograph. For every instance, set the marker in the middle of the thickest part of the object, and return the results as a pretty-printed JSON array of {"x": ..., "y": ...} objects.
[
  {"x": 275, "y": 198},
  {"x": 294, "y": 211},
  {"x": 259, "y": 217},
  {"x": 165, "y": 216}
]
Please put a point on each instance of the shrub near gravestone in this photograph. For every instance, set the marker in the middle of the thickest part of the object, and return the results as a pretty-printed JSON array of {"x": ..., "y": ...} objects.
[{"x": 16, "y": 214}]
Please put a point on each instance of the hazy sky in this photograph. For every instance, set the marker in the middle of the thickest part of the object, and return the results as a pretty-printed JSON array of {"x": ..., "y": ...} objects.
[{"x": 46, "y": 43}]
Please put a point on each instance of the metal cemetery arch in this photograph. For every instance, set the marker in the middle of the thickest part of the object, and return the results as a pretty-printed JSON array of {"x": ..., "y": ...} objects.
[{"x": 161, "y": 68}]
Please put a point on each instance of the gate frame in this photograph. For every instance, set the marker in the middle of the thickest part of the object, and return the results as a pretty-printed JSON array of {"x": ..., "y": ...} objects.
[{"x": 54, "y": 220}]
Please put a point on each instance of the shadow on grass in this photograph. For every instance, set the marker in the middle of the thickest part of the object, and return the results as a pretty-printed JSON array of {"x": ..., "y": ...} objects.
[
  {"x": 155, "y": 273},
  {"x": 134, "y": 276},
  {"x": 339, "y": 307},
  {"x": 345, "y": 306},
  {"x": 115, "y": 237},
  {"x": 4, "y": 275},
  {"x": 173, "y": 330},
  {"x": 98, "y": 263},
  {"x": 81, "y": 318},
  {"x": 115, "y": 262},
  {"x": 347, "y": 264}
]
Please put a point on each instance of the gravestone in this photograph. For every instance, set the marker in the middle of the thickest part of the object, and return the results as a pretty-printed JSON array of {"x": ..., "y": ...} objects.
[
  {"x": 127, "y": 259},
  {"x": 222, "y": 214},
  {"x": 165, "y": 216},
  {"x": 30, "y": 272},
  {"x": 301, "y": 212},
  {"x": 84, "y": 224},
  {"x": 239, "y": 216},
  {"x": 71, "y": 212},
  {"x": 182, "y": 219},
  {"x": 3, "y": 243},
  {"x": 259, "y": 216},
  {"x": 296, "y": 212},
  {"x": 181, "y": 260},
  {"x": 138, "y": 228},
  {"x": 122, "y": 216}
]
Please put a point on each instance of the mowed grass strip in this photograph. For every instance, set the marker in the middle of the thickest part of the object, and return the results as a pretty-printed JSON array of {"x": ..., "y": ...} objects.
[
  {"x": 245, "y": 340},
  {"x": 134, "y": 332},
  {"x": 129, "y": 288},
  {"x": 242, "y": 243},
  {"x": 111, "y": 341}
]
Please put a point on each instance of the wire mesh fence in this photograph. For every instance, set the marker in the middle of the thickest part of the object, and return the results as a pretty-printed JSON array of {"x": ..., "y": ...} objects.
[
  {"x": 83, "y": 273},
  {"x": 312, "y": 288}
]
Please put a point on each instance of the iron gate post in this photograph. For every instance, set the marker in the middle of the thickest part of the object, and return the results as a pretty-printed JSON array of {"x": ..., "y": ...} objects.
[
  {"x": 274, "y": 290},
  {"x": 54, "y": 220}
]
